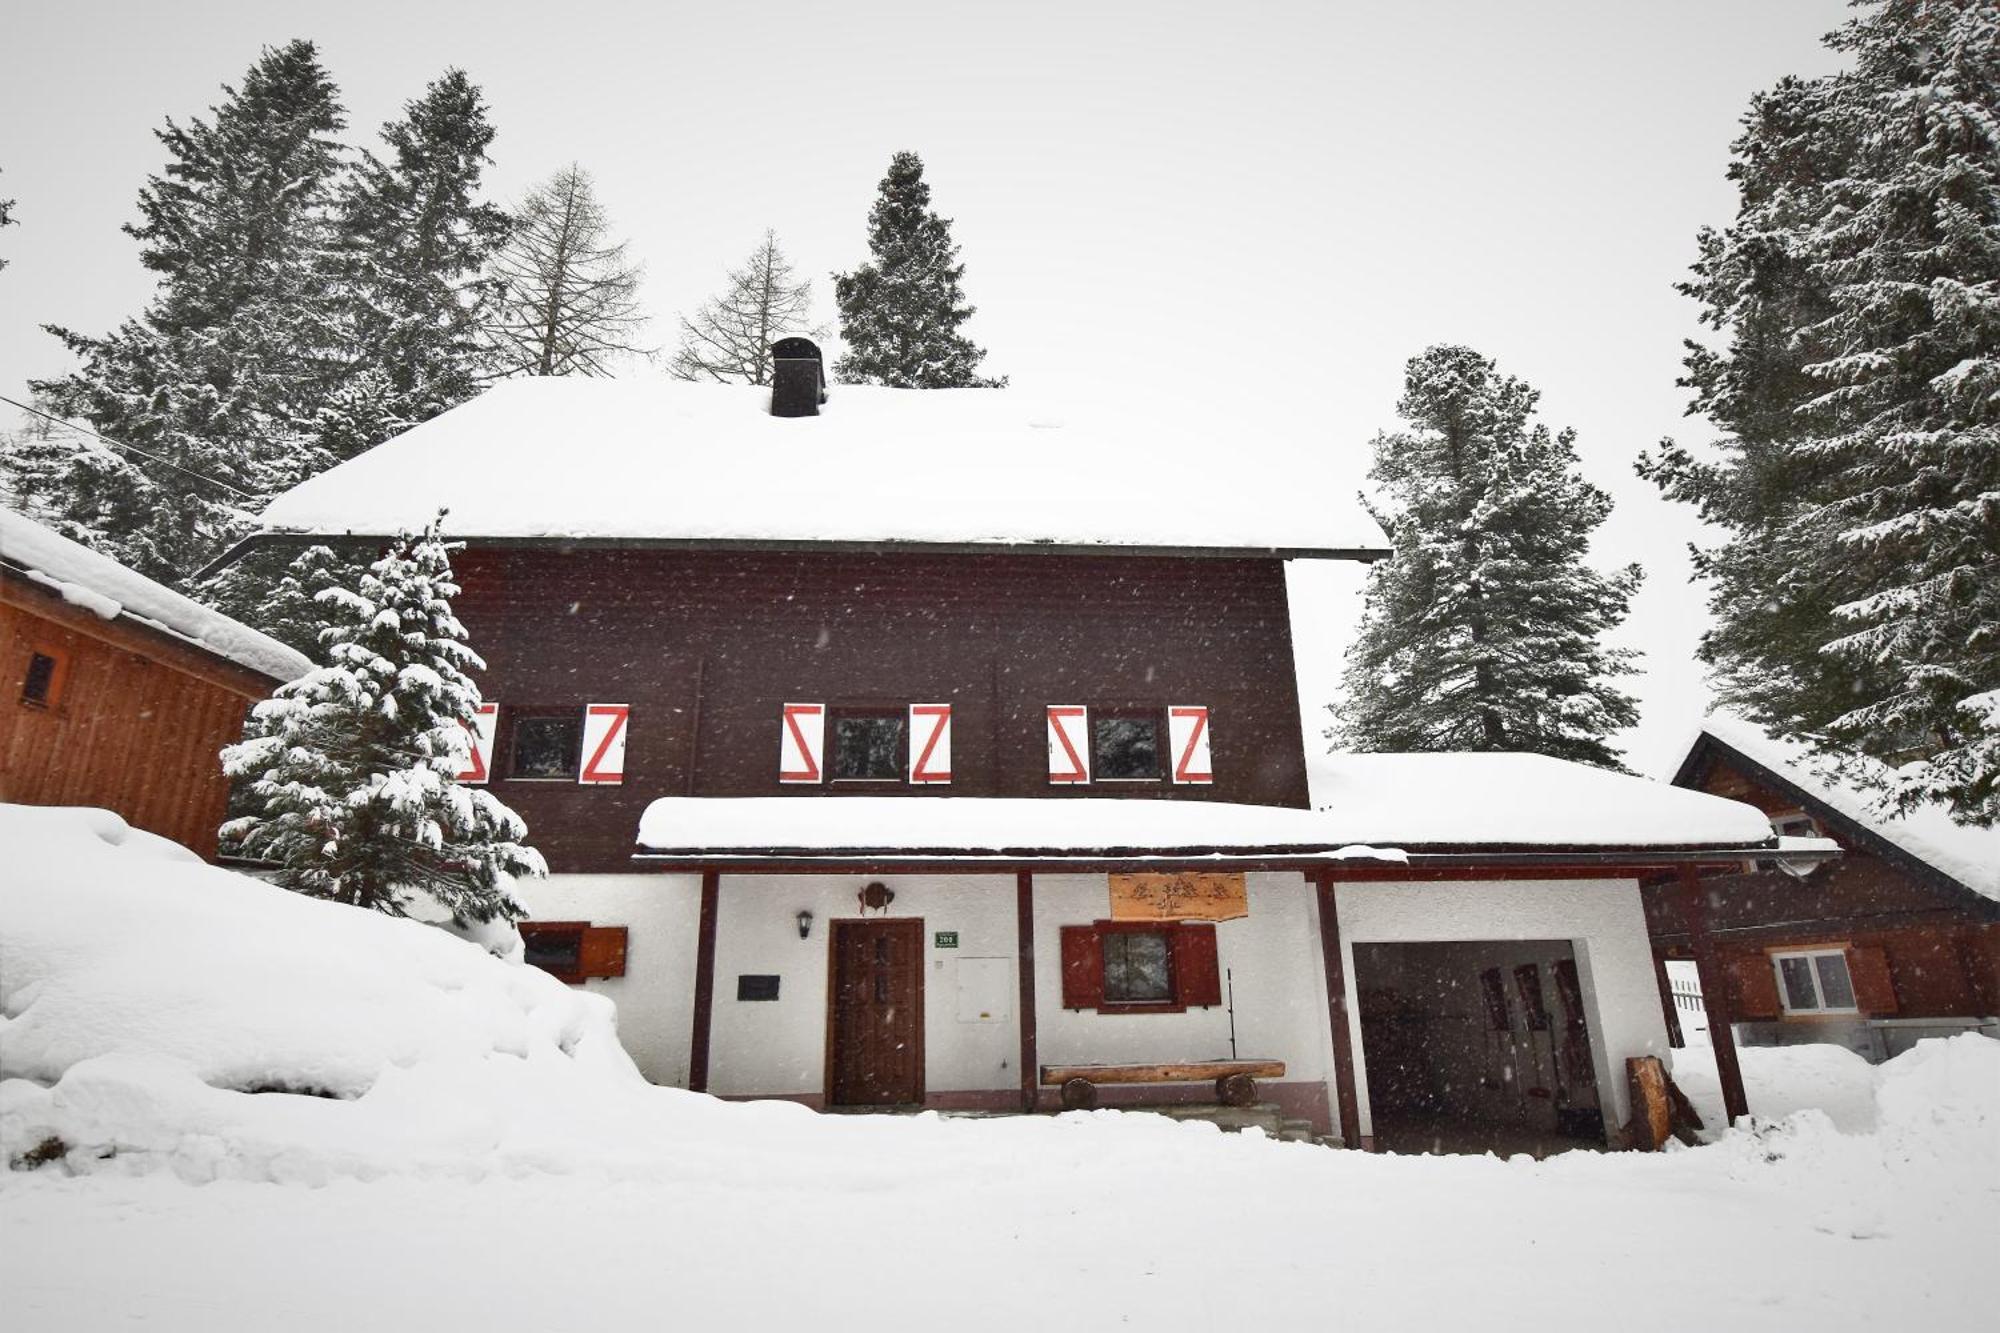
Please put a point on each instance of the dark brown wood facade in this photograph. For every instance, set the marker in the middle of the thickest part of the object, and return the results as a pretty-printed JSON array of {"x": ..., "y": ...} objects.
[
  {"x": 132, "y": 722},
  {"x": 1920, "y": 944},
  {"x": 706, "y": 647}
]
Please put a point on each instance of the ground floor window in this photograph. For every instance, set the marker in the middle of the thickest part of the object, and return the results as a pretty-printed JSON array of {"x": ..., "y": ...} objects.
[
  {"x": 1815, "y": 982},
  {"x": 1138, "y": 967},
  {"x": 1126, "y": 967},
  {"x": 574, "y": 951}
]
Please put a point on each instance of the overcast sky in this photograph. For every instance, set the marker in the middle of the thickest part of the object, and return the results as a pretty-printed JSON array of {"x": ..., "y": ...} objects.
[{"x": 1269, "y": 203}]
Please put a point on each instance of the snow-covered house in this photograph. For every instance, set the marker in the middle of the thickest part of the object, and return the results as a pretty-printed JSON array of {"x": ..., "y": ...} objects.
[
  {"x": 120, "y": 691},
  {"x": 1897, "y": 940},
  {"x": 929, "y": 748}
]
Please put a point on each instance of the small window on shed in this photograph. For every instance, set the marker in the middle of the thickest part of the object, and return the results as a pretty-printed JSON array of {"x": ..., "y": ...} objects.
[
  {"x": 546, "y": 745},
  {"x": 41, "y": 686},
  {"x": 1125, "y": 747},
  {"x": 867, "y": 746}
]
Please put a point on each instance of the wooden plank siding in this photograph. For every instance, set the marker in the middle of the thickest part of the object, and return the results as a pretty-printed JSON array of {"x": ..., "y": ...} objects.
[
  {"x": 1942, "y": 941},
  {"x": 707, "y": 645},
  {"x": 136, "y": 728}
]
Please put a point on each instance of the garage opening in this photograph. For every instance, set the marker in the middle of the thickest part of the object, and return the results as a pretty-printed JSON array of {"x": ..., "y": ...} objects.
[{"x": 1476, "y": 1046}]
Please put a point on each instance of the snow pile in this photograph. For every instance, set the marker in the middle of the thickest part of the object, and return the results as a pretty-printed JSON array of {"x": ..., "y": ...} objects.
[
  {"x": 656, "y": 458},
  {"x": 1779, "y": 1081},
  {"x": 1969, "y": 855},
  {"x": 149, "y": 1000},
  {"x": 1366, "y": 801},
  {"x": 107, "y": 589}
]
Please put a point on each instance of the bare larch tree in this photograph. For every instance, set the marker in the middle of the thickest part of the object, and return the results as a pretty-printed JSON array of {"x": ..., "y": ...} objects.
[
  {"x": 569, "y": 296},
  {"x": 729, "y": 338}
]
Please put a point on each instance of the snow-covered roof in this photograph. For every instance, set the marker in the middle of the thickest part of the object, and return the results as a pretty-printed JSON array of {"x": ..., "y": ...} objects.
[
  {"x": 1373, "y": 805},
  {"x": 1969, "y": 855},
  {"x": 662, "y": 460},
  {"x": 108, "y": 589}
]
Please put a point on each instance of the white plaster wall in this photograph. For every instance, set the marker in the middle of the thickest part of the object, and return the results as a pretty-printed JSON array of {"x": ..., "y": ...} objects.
[
  {"x": 1602, "y": 919},
  {"x": 778, "y": 1047},
  {"x": 1272, "y": 957},
  {"x": 655, "y": 997}
]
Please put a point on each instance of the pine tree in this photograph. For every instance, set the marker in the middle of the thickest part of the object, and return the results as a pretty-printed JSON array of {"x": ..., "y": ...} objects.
[
  {"x": 568, "y": 297},
  {"x": 210, "y": 385},
  {"x": 414, "y": 244},
  {"x": 1484, "y": 630},
  {"x": 730, "y": 337},
  {"x": 1857, "y": 597},
  {"x": 900, "y": 313},
  {"x": 351, "y": 766}
]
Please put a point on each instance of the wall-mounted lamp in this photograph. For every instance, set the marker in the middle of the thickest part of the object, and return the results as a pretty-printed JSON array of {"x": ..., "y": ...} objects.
[{"x": 805, "y": 920}]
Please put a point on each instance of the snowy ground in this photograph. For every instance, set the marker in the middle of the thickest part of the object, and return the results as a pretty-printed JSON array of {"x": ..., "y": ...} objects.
[{"x": 491, "y": 1164}]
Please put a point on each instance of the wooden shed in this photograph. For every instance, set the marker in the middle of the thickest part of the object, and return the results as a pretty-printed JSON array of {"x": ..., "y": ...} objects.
[{"x": 120, "y": 691}]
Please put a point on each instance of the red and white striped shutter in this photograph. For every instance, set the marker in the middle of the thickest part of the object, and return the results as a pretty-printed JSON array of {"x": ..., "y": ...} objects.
[
  {"x": 801, "y": 742},
  {"x": 604, "y": 744},
  {"x": 1069, "y": 743},
  {"x": 930, "y": 743},
  {"x": 1187, "y": 738},
  {"x": 479, "y": 759}
]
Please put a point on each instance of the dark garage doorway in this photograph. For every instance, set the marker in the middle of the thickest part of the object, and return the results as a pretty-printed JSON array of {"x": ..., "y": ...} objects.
[{"x": 1477, "y": 1046}]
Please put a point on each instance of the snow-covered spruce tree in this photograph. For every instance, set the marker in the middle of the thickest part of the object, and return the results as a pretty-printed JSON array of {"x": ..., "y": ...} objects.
[
  {"x": 214, "y": 377},
  {"x": 1484, "y": 630},
  {"x": 414, "y": 242},
  {"x": 351, "y": 766},
  {"x": 567, "y": 296},
  {"x": 729, "y": 339},
  {"x": 1857, "y": 598},
  {"x": 900, "y": 312}
]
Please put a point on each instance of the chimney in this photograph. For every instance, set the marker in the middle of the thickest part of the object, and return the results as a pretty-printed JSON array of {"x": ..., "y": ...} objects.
[{"x": 798, "y": 378}]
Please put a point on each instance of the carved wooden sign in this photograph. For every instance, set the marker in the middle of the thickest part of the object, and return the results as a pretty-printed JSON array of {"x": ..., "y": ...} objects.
[{"x": 1182, "y": 896}]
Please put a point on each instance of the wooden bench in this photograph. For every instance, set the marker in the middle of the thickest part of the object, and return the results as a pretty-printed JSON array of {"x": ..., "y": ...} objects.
[{"x": 1235, "y": 1080}]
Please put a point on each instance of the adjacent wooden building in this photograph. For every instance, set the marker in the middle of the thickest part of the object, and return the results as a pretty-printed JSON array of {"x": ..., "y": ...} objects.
[
  {"x": 1897, "y": 940},
  {"x": 944, "y": 749},
  {"x": 120, "y": 692}
]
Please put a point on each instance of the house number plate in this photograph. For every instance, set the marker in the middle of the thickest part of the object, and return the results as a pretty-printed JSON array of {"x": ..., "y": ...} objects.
[{"x": 945, "y": 939}]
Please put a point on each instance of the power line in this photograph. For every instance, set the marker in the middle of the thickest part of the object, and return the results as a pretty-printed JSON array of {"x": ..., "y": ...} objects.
[{"x": 129, "y": 448}]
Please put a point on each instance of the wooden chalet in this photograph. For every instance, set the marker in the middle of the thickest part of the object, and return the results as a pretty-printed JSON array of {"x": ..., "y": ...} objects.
[
  {"x": 120, "y": 692},
  {"x": 1897, "y": 940},
  {"x": 944, "y": 749}
]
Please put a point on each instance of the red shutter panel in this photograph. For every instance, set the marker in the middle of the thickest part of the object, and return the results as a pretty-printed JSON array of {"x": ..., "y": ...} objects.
[
  {"x": 1874, "y": 988},
  {"x": 603, "y": 952},
  {"x": 479, "y": 756},
  {"x": 1069, "y": 743},
  {"x": 1197, "y": 971},
  {"x": 1187, "y": 731},
  {"x": 930, "y": 743},
  {"x": 603, "y": 744},
  {"x": 1082, "y": 968},
  {"x": 1753, "y": 987},
  {"x": 801, "y": 743}
]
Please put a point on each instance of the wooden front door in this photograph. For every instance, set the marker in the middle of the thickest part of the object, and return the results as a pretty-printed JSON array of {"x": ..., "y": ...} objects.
[{"x": 875, "y": 1049}]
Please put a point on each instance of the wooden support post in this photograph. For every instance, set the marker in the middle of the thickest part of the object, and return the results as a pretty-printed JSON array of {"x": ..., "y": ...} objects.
[
  {"x": 704, "y": 981},
  {"x": 1024, "y": 925},
  {"x": 1672, "y": 1011},
  {"x": 1336, "y": 1008},
  {"x": 1714, "y": 994}
]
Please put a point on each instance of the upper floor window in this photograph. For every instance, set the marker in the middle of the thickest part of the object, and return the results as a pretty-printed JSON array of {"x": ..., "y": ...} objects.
[
  {"x": 900, "y": 743},
  {"x": 546, "y": 746},
  {"x": 867, "y": 745},
  {"x": 1125, "y": 747},
  {"x": 1090, "y": 745}
]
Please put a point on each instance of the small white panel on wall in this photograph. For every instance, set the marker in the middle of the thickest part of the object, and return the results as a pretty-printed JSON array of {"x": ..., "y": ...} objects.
[{"x": 985, "y": 990}]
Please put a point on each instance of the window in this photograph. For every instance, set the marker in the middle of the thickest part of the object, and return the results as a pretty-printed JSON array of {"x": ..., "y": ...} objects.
[
  {"x": 1138, "y": 967},
  {"x": 574, "y": 951},
  {"x": 1124, "y": 967},
  {"x": 867, "y": 746},
  {"x": 42, "y": 685},
  {"x": 1815, "y": 982},
  {"x": 1125, "y": 747},
  {"x": 546, "y": 745}
]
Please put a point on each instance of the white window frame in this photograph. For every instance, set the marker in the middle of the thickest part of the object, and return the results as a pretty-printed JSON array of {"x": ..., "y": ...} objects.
[{"x": 1819, "y": 995}]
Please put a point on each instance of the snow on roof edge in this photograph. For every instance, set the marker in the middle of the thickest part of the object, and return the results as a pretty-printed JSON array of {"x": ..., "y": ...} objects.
[{"x": 111, "y": 591}]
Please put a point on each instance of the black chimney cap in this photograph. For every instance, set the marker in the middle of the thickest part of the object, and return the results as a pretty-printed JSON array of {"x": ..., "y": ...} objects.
[{"x": 798, "y": 378}]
